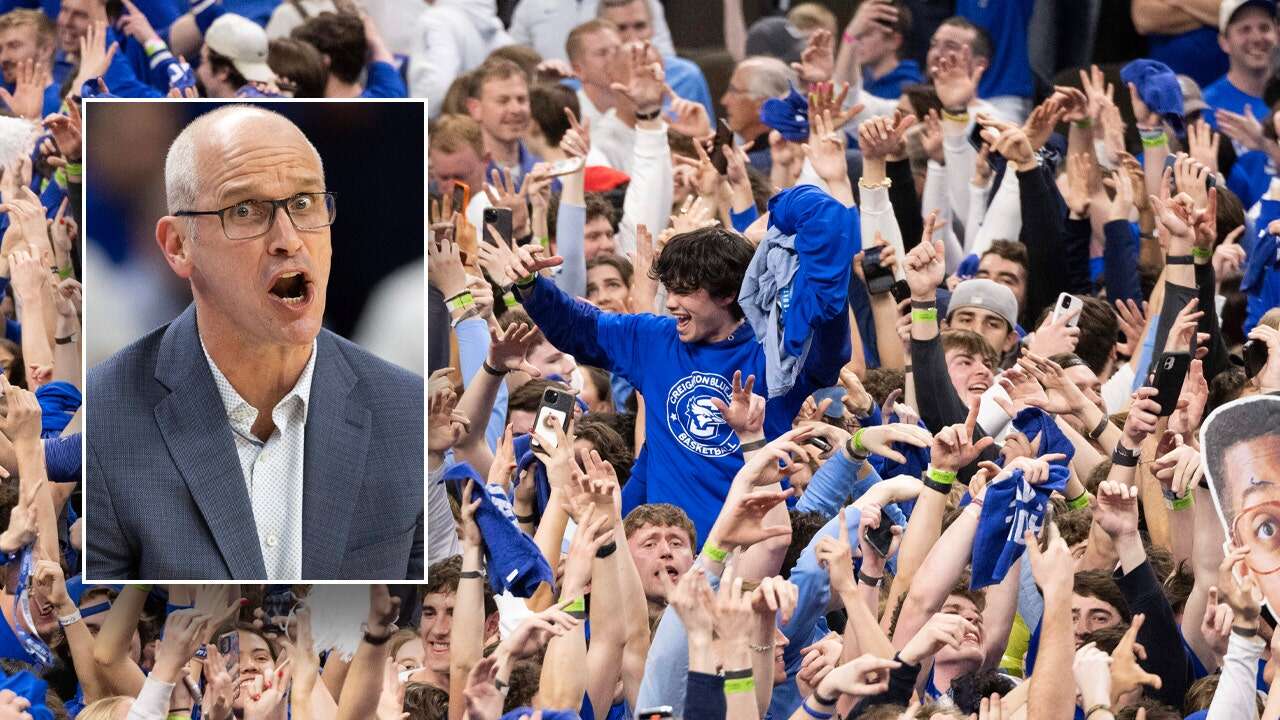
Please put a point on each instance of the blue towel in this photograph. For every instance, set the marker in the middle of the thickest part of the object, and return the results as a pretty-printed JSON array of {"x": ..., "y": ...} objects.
[
  {"x": 58, "y": 400},
  {"x": 1013, "y": 506},
  {"x": 789, "y": 116},
  {"x": 515, "y": 563},
  {"x": 33, "y": 689},
  {"x": 1158, "y": 87},
  {"x": 522, "y": 447}
]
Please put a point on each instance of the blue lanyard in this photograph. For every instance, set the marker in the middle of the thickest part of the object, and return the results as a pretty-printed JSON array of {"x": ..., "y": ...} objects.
[{"x": 32, "y": 643}]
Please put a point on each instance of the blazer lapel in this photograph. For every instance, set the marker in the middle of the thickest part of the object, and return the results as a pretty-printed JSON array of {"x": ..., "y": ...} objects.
[
  {"x": 337, "y": 441},
  {"x": 194, "y": 425}
]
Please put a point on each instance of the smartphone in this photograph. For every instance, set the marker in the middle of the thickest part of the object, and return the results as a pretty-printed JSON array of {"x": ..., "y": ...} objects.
[
  {"x": 229, "y": 646},
  {"x": 879, "y": 278},
  {"x": 653, "y": 713},
  {"x": 1167, "y": 377},
  {"x": 556, "y": 407},
  {"x": 461, "y": 195},
  {"x": 1068, "y": 304},
  {"x": 1255, "y": 357},
  {"x": 1210, "y": 181},
  {"x": 881, "y": 538},
  {"x": 900, "y": 290},
  {"x": 976, "y": 140},
  {"x": 568, "y": 166},
  {"x": 500, "y": 219},
  {"x": 819, "y": 443},
  {"x": 724, "y": 136}
]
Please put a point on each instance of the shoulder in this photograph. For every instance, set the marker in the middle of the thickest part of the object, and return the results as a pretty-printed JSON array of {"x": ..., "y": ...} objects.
[
  {"x": 384, "y": 378},
  {"x": 130, "y": 366},
  {"x": 1219, "y": 90},
  {"x": 678, "y": 66}
]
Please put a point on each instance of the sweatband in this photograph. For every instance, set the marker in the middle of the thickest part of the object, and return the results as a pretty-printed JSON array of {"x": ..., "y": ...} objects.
[
  {"x": 1199, "y": 252},
  {"x": 1080, "y": 501},
  {"x": 753, "y": 445},
  {"x": 1153, "y": 139},
  {"x": 925, "y": 315},
  {"x": 461, "y": 300},
  {"x": 715, "y": 553},
  {"x": 858, "y": 447},
  {"x": 1179, "y": 260}
]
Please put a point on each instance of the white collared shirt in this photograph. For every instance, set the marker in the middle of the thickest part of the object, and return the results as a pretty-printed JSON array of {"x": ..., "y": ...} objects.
[{"x": 273, "y": 469}]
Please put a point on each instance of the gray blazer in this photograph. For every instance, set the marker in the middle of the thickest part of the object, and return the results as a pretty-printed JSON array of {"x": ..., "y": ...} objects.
[{"x": 164, "y": 495}]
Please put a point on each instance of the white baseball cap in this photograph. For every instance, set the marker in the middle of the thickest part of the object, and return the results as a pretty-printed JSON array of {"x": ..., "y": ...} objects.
[
  {"x": 1229, "y": 8},
  {"x": 244, "y": 43}
]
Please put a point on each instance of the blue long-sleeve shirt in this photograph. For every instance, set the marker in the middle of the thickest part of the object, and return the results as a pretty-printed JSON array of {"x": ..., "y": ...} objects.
[
  {"x": 473, "y": 347},
  {"x": 690, "y": 454},
  {"x": 382, "y": 81},
  {"x": 1120, "y": 262}
]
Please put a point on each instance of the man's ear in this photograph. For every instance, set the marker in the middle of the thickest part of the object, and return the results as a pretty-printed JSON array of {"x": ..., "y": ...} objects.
[
  {"x": 171, "y": 237},
  {"x": 473, "y": 107},
  {"x": 1009, "y": 341}
]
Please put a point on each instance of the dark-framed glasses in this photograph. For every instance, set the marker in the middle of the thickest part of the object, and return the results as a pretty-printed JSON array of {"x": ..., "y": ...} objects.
[{"x": 249, "y": 219}]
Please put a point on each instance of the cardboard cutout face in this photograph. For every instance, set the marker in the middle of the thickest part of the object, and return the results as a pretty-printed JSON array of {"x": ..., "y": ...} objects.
[{"x": 1240, "y": 444}]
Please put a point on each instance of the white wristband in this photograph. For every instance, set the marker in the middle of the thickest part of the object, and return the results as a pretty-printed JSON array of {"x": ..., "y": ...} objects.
[{"x": 71, "y": 619}]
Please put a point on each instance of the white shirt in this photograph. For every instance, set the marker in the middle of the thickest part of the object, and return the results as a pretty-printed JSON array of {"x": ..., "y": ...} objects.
[
  {"x": 450, "y": 38},
  {"x": 545, "y": 25},
  {"x": 272, "y": 469}
]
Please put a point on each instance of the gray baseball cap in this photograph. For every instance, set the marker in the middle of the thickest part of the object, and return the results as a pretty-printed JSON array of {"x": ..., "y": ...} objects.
[{"x": 988, "y": 295}]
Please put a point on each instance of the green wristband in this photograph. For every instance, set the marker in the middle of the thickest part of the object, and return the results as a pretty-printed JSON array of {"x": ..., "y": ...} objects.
[
  {"x": 930, "y": 315},
  {"x": 577, "y": 609},
  {"x": 1199, "y": 252},
  {"x": 64, "y": 273},
  {"x": 509, "y": 299},
  {"x": 715, "y": 553},
  {"x": 1182, "y": 503},
  {"x": 942, "y": 477},
  {"x": 858, "y": 447},
  {"x": 739, "y": 685},
  {"x": 460, "y": 301},
  {"x": 1155, "y": 141},
  {"x": 1080, "y": 501}
]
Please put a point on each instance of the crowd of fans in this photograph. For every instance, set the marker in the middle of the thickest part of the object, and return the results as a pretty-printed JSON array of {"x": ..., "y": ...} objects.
[{"x": 869, "y": 357}]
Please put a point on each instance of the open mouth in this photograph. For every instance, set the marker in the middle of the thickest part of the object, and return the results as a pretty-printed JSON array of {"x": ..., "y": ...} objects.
[
  {"x": 979, "y": 388},
  {"x": 972, "y": 638},
  {"x": 438, "y": 647},
  {"x": 291, "y": 288}
]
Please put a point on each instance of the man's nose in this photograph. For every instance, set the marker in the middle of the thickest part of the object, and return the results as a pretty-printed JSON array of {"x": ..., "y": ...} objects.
[{"x": 284, "y": 237}]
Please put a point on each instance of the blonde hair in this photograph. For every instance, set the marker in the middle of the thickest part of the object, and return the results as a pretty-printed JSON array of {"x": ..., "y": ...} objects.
[
  {"x": 107, "y": 708},
  {"x": 34, "y": 19},
  {"x": 452, "y": 133}
]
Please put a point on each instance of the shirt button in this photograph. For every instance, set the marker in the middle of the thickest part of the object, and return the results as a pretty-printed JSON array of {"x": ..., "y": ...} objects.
[
  {"x": 264, "y": 456},
  {"x": 272, "y": 540}
]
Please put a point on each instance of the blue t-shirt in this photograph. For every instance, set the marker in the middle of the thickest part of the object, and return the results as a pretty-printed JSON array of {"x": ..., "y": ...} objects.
[
  {"x": 685, "y": 78},
  {"x": 1195, "y": 54},
  {"x": 1006, "y": 22},
  {"x": 889, "y": 85},
  {"x": 1222, "y": 94}
]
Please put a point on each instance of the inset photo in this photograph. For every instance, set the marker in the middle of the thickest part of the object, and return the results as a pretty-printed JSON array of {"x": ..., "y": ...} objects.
[{"x": 254, "y": 397}]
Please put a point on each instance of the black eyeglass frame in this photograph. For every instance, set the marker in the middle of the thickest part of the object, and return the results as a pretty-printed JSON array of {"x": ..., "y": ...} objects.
[{"x": 330, "y": 200}]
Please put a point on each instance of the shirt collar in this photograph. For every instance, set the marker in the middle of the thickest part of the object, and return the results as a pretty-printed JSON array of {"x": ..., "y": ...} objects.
[{"x": 242, "y": 415}]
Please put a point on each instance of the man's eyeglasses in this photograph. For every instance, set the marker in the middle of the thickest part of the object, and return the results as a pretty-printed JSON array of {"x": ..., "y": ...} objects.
[
  {"x": 249, "y": 219},
  {"x": 1258, "y": 529}
]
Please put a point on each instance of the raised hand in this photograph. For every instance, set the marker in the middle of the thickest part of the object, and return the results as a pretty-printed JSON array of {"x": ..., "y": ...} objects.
[
  {"x": 825, "y": 149},
  {"x": 693, "y": 601},
  {"x": 1117, "y": 509},
  {"x": 882, "y": 137},
  {"x": 925, "y": 265},
  {"x": 1244, "y": 129},
  {"x": 444, "y": 426},
  {"x": 745, "y": 410},
  {"x": 941, "y": 630},
  {"x": 22, "y": 418},
  {"x": 817, "y": 60},
  {"x": 776, "y": 598},
  {"x": 1040, "y": 123},
  {"x": 1099, "y": 94},
  {"x": 836, "y": 555},
  {"x": 689, "y": 118},
  {"x": 864, "y": 676},
  {"x": 954, "y": 447},
  {"x": 526, "y": 261},
  {"x": 1133, "y": 320},
  {"x": 1242, "y": 594},
  {"x": 184, "y": 632},
  {"x": 470, "y": 531},
  {"x": 27, "y": 98},
  {"x": 1203, "y": 143},
  {"x": 21, "y": 530},
  {"x": 502, "y": 192},
  {"x": 741, "y": 520},
  {"x": 1144, "y": 413},
  {"x": 1052, "y": 568},
  {"x": 1008, "y": 140},
  {"x": 1229, "y": 257},
  {"x": 647, "y": 85},
  {"x": 1126, "y": 674},
  {"x": 95, "y": 56},
  {"x": 879, "y": 439},
  {"x": 509, "y": 348},
  {"x": 444, "y": 264},
  {"x": 577, "y": 139},
  {"x": 135, "y": 24},
  {"x": 1092, "y": 671},
  {"x": 533, "y": 634},
  {"x": 1056, "y": 335},
  {"x": 931, "y": 137},
  {"x": 956, "y": 78}
]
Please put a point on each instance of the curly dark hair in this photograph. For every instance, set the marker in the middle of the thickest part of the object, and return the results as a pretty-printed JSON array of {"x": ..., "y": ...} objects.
[{"x": 711, "y": 258}]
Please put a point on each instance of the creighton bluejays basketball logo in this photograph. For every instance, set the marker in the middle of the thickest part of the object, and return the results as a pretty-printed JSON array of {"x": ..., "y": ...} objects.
[{"x": 695, "y": 421}]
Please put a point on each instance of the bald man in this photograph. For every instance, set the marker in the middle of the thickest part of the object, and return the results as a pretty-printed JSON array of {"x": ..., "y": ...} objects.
[{"x": 242, "y": 441}]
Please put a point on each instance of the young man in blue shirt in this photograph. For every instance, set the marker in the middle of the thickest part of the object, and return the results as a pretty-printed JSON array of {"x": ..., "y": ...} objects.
[
  {"x": 681, "y": 363},
  {"x": 1008, "y": 82},
  {"x": 1248, "y": 35},
  {"x": 878, "y": 47}
]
